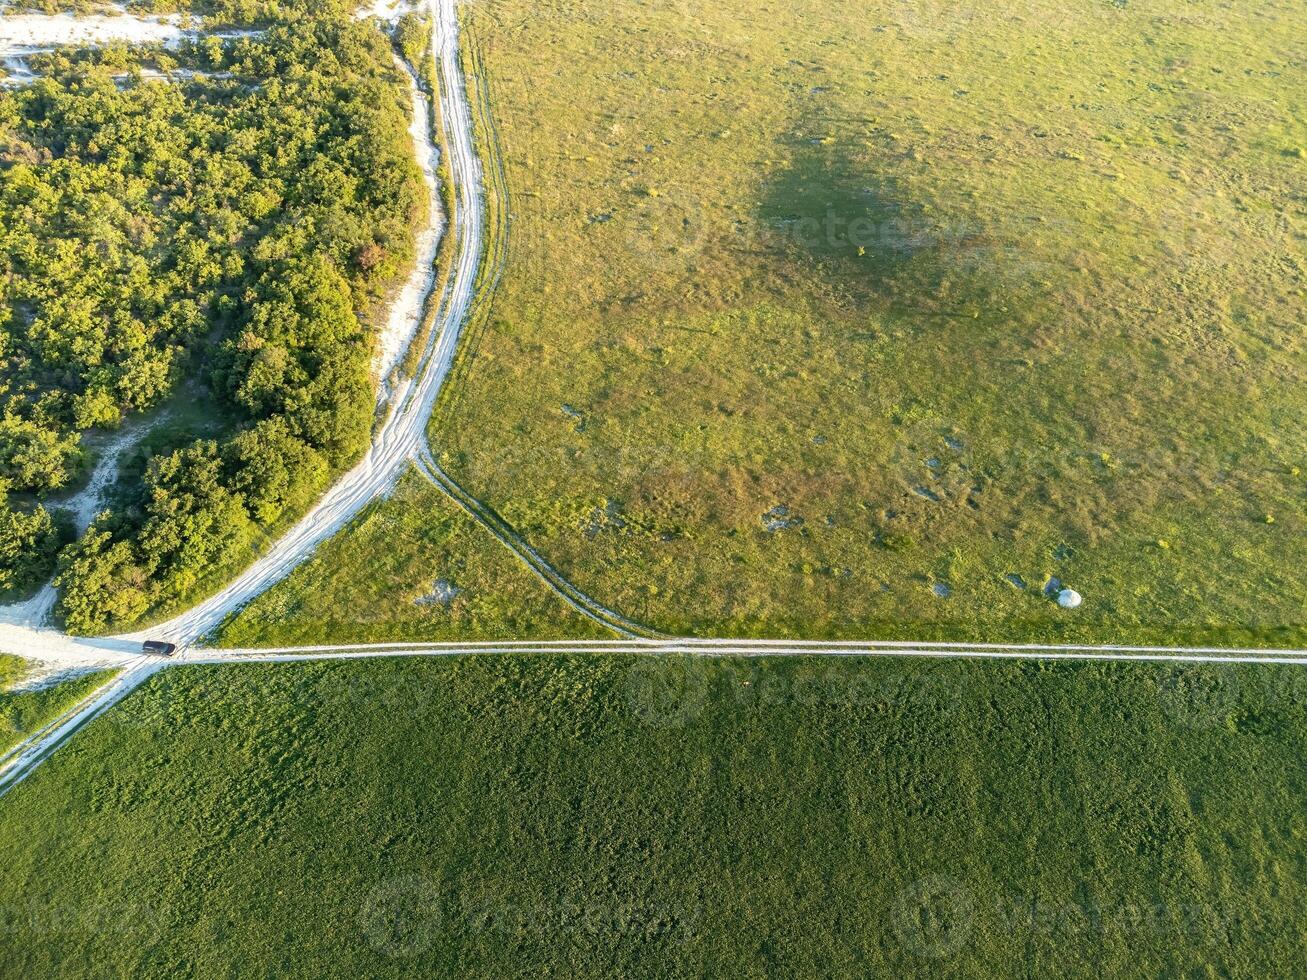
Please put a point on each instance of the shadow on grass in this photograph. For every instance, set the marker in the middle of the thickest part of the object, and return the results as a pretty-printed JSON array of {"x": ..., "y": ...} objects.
[{"x": 866, "y": 236}]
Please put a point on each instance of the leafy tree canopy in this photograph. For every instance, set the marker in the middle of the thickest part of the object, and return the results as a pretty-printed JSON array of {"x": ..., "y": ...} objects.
[{"x": 234, "y": 223}]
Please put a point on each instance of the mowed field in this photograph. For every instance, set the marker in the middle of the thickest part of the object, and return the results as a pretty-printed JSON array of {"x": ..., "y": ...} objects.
[
  {"x": 606, "y": 817},
  {"x": 867, "y": 319}
]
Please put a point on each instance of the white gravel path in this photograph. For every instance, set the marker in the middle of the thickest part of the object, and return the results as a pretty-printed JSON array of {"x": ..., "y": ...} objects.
[
  {"x": 22, "y": 34},
  {"x": 405, "y": 315}
]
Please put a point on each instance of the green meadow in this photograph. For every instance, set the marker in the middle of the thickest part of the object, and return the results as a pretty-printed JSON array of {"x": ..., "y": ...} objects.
[
  {"x": 871, "y": 319},
  {"x": 411, "y": 567},
  {"x": 609, "y": 817}
]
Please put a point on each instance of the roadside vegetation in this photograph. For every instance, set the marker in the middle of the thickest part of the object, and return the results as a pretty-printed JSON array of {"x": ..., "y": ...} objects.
[
  {"x": 413, "y": 39},
  {"x": 231, "y": 235},
  {"x": 876, "y": 319},
  {"x": 411, "y": 567},
  {"x": 634, "y": 817},
  {"x": 26, "y": 707}
]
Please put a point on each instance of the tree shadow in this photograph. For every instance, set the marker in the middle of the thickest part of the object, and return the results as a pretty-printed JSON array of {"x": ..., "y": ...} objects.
[{"x": 863, "y": 234}]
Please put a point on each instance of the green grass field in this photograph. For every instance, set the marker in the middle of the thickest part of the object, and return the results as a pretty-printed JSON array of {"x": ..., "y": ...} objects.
[
  {"x": 980, "y": 293},
  {"x": 617, "y": 817},
  {"x": 25, "y": 709},
  {"x": 412, "y": 567}
]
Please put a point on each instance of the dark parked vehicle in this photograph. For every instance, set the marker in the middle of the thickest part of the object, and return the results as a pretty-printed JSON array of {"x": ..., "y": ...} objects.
[{"x": 159, "y": 648}]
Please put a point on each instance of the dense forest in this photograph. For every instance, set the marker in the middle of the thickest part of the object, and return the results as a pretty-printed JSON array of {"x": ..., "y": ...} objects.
[{"x": 217, "y": 239}]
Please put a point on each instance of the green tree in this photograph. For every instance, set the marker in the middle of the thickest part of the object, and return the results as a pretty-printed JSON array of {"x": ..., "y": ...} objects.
[
  {"x": 413, "y": 37},
  {"x": 273, "y": 469},
  {"x": 36, "y": 458},
  {"x": 192, "y": 517},
  {"x": 29, "y": 543},
  {"x": 102, "y": 582}
]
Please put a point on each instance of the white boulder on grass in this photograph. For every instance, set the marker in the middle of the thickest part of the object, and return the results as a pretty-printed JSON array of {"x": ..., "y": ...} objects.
[{"x": 1068, "y": 598}]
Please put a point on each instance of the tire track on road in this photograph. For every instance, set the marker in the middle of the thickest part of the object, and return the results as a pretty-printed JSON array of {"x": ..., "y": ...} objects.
[
  {"x": 499, "y": 217},
  {"x": 753, "y": 649}
]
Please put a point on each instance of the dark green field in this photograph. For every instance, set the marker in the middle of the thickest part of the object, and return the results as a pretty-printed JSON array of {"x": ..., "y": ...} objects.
[{"x": 618, "y": 817}]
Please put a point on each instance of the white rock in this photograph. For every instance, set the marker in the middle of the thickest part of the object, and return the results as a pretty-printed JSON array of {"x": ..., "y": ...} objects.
[{"x": 1068, "y": 598}]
